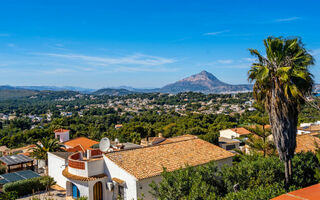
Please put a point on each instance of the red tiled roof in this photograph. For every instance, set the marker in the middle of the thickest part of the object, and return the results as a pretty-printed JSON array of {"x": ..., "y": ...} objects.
[
  {"x": 241, "y": 131},
  {"x": 86, "y": 143},
  {"x": 308, "y": 193},
  {"x": 60, "y": 130}
]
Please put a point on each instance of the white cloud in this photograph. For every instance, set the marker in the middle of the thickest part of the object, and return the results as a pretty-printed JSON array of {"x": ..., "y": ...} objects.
[
  {"x": 136, "y": 59},
  {"x": 287, "y": 19},
  {"x": 216, "y": 33},
  {"x": 249, "y": 59},
  {"x": 225, "y": 61},
  {"x": 315, "y": 52},
  {"x": 58, "y": 71}
]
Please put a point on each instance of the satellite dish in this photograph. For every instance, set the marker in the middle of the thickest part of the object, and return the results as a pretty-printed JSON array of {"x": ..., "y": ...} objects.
[{"x": 104, "y": 144}]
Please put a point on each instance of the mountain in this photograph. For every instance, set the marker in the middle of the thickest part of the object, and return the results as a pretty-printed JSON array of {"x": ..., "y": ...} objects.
[
  {"x": 204, "y": 82},
  {"x": 55, "y": 88},
  {"x": 9, "y": 92},
  {"x": 112, "y": 92}
]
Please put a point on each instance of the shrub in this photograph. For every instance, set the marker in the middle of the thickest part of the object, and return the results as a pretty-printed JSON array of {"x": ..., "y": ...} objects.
[
  {"x": 28, "y": 186},
  {"x": 252, "y": 171},
  {"x": 3, "y": 169},
  {"x": 259, "y": 193}
]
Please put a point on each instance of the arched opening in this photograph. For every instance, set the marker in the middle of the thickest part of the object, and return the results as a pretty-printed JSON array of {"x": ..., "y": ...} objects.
[
  {"x": 75, "y": 191},
  {"x": 97, "y": 191}
]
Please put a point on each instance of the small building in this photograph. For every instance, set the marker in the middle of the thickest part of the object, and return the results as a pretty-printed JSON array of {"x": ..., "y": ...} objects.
[
  {"x": 80, "y": 144},
  {"x": 62, "y": 135},
  {"x": 229, "y": 144},
  {"x": 232, "y": 133},
  {"x": 117, "y": 126},
  {"x": 17, "y": 162},
  {"x": 4, "y": 150},
  {"x": 127, "y": 173}
]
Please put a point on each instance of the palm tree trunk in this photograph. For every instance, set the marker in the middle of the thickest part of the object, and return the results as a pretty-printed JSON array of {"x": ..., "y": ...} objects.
[
  {"x": 290, "y": 168},
  {"x": 287, "y": 176}
]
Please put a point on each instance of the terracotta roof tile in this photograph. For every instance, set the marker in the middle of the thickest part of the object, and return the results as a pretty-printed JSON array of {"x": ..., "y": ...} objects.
[
  {"x": 60, "y": 130},
  {"x": 117, "y": 180},
  {"x": 149, "y": 161},
  {"x": 178, "y": 138},
  {"x": 308, "y": 193},
  {"x": 68, "y": 175},
  {"x": 241, "y": 131},
  {"x": 307, "y": 143},
  {"x": 86, "y": 143}
]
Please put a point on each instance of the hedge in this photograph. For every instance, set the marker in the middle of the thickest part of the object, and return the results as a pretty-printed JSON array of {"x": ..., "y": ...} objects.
[{"x": 27, "y": 186}]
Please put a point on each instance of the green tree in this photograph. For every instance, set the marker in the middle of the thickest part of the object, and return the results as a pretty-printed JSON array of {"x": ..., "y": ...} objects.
[
  {"x": 40, "y": 152},
  {"x": 259, "y": 141},
  {"x": 201, "y": 182},
  {"x": 282, "y": 80}
]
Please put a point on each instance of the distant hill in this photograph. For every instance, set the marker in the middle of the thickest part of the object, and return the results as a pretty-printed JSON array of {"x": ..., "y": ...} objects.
[
  {"x": 204, "y": 82},
  {"x": 54, "y": 88},
  {"x": 8, "y": 92},
  {"x": 113, "y": 92}
]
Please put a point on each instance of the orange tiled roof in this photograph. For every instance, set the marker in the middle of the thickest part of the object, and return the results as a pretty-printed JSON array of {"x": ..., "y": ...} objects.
[
  {"x": 76, "y": 149},
  {"x": 149, "y": 161},
  {"x": 86, "y": 143},
  {"x": 68, "y": 175},
  {"x": 307, "y": 143},
  {"x": 60, "y": 130},
  {"x": 308, "y": 193},
  {"x": 118, "y": 180},
  {"x": 241, "y": 131}
]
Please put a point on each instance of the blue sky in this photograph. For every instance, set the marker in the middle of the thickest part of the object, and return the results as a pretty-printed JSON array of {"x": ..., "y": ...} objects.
[{"x": 143, "y": 44}]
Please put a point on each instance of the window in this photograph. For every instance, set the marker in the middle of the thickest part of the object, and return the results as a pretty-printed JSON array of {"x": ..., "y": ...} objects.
[
  {"x": 230, "y": 147},
  {"x": 120, "y": 191}
]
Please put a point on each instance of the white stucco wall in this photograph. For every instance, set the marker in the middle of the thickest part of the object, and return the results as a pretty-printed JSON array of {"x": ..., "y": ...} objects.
[
  {"x": 228, "y": 134},
  {"x": 95, "y": 167},
  {"x": 55, "y": 167},
  {"x": 114, "y": 171}
]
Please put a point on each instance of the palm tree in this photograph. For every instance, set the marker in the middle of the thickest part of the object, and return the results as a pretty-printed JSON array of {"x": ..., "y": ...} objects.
[
  {"x": 45, "y": 145},
  {"x": 282, "y": 81},
  {"x": 259, "y": 141}
]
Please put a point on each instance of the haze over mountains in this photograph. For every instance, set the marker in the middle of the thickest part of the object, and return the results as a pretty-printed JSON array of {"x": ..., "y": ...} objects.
[{"x": 203, "y": 82}]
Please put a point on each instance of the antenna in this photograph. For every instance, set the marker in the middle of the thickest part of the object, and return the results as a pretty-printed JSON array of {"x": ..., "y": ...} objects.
[{"x": 104, "y": 144}]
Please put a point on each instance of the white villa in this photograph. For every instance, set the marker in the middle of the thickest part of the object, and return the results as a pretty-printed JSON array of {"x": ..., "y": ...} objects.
[{"x": 127, "y": 173}]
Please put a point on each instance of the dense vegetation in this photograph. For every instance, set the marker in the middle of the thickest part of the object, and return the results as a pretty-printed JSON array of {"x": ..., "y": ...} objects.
[
  {"x": 99, "y": 122},
  {"x": 28, "y": 186},
  {"x": 252, "y": 177}
]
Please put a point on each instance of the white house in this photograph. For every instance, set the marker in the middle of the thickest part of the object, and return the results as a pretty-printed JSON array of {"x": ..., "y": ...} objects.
[
  {"x": 128, "y": 173},
  {"x": 62, "y": 135},
  {"x": 232, "y": 133}
]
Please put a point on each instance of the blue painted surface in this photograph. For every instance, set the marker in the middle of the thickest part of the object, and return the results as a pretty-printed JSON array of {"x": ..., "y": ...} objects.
[{"x": 75, "y": 191}]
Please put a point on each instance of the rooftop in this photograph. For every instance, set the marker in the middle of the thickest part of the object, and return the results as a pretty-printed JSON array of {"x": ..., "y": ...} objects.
[
  {"x": 60, "y": 130},
  {"x": 16, "y": 176},
  {"x": 15, "y": 159},
  {"x": 308, "y": 193},
  {"x": 306, "y": 143},
  {"x": 86, "y": 143},
  {"x": 241, "y": 131},
  {"x": 63, "y": 155},
  {"x": 149, "y": 161}
]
